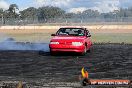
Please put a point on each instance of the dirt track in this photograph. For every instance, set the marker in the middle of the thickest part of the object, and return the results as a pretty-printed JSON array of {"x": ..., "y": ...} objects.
[{"x": 104, "y": 61}]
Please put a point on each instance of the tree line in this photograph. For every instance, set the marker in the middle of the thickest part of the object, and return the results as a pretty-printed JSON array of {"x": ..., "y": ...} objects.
[{"x": 43, "y": 14}]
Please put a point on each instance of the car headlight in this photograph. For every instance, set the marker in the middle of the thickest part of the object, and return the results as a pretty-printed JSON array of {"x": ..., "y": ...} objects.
[
  {"x": 77, "y": 43},
  {"x": 54, "y": 42}
]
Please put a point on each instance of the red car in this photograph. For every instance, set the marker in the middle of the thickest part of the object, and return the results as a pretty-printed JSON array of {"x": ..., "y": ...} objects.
[{"x": 71, "y": 39}]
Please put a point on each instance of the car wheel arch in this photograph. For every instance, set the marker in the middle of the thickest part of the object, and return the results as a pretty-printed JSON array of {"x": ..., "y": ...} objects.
[{"x": 86, "y": 44}]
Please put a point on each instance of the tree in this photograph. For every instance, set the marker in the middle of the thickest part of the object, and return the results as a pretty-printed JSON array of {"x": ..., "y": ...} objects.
[
  {"x": 90, "y": 13},
  {"x": 46, "y": 13},
  {"x": 30, "y": 12},
  {"x": 12, "y": 10},
  {"x": 69, "y": 15},
  {"x": 1, "y": 13}
]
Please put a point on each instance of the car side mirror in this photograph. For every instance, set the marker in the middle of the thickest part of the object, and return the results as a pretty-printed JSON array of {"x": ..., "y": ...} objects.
[
  {"x": 88, "y": 35},
  {"x": 53, "y": 34}
]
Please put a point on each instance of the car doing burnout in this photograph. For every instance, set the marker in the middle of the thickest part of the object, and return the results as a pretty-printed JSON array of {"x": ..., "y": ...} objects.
[{"x": 71, "y": 39}]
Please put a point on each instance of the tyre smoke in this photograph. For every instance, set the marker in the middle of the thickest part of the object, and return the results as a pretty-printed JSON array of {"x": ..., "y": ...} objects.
[{"x": 11, "y": 44}]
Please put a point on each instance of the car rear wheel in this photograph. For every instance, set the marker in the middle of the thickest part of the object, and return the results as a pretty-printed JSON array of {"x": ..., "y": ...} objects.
[
  {"x": 88, "y": 51},
  {"x": 84, "y": 51},
  {"x": 52, "y": 53}
]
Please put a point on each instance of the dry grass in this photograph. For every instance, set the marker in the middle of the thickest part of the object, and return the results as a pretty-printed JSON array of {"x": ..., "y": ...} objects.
[
  {"x": 27, "y": 31},
  {"x": 50, "y": 31},
  {"x": 43, "y": 35}
]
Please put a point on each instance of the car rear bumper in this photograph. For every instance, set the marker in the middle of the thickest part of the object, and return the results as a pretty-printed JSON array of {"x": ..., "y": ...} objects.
[{"x": 67, "y": 49}]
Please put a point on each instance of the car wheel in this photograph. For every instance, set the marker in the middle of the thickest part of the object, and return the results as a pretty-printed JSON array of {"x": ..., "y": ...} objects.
[
  {"x": 88, "y": 51},
  {"x": 52, "y": 53},
  {"x": 85, "y": 51}
]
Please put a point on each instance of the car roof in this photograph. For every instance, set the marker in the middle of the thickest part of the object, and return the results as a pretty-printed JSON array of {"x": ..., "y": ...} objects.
[{"x": 72, "y": 27}]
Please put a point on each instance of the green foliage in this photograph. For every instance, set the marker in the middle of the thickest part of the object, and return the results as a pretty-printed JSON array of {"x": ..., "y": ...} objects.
[
  {"x": 48, "y": 12},
  {"x": 91, "y": 13},
  {"x": 1, "y": 13},
  {"x": 12, "y": 10},
  {"x": 30, "y": 12}
]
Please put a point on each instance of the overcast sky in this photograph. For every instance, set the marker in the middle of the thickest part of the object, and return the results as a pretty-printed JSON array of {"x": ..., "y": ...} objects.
[{"x": 70, "y": 5}]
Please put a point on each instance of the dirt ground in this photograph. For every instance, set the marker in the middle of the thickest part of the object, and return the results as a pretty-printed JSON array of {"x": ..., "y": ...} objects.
[{"x": 40, "y": 70}]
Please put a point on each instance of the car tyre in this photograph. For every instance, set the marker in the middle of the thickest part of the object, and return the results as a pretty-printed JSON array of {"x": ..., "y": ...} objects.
[
  {"x": 52, "y": 53},
  {"x": 85, "y": 51},
  {"x": 89, "y": 51}
]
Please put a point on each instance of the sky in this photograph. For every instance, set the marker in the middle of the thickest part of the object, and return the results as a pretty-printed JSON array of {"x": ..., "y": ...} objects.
[{"x": 102, "y": 6}]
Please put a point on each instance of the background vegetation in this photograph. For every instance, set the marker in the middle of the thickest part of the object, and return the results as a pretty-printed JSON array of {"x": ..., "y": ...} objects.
[{"x": 52, "y": 14}]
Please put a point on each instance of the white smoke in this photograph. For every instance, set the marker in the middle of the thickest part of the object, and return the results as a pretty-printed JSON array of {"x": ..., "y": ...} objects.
[{"x": 11, "y": 44}]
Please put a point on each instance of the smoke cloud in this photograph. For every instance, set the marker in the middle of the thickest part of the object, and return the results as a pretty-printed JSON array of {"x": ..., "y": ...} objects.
[{"x": 11, "y": 44}]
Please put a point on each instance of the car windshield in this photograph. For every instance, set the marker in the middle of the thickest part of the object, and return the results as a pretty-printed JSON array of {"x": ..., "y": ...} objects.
[{"x": 71, "y": 31}]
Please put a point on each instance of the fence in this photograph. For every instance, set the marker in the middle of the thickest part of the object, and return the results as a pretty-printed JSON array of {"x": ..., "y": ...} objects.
[{"x": 63, "y": 21}]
